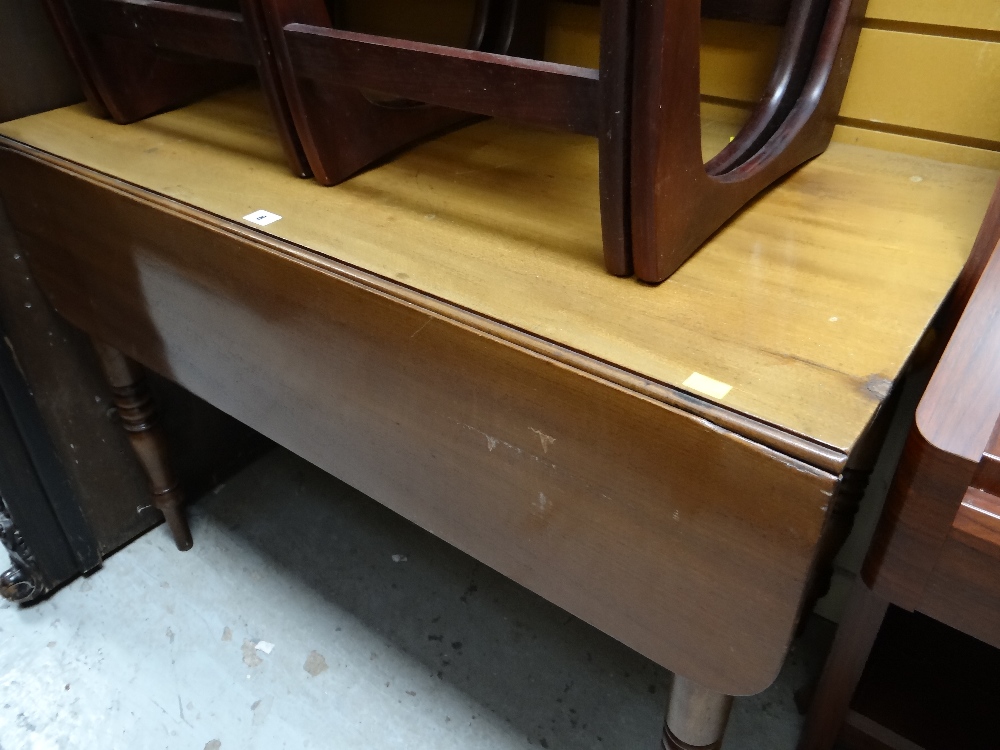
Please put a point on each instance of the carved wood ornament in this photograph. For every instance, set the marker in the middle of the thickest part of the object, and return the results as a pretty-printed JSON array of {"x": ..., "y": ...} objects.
[{"x": 22, "y": 582}]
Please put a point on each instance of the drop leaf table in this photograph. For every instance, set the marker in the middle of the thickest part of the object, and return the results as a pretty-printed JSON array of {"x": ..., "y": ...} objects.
[{"x": 674, "y": 464}]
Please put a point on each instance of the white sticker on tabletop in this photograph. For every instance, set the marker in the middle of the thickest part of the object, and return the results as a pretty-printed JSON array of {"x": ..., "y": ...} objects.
[
  {"x": 262, "y": 218},
  {"x": 709, "y": 386}
]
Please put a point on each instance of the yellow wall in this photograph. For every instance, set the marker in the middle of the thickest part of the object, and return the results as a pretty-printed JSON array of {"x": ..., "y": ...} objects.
[{"x": 926, "y": 79}]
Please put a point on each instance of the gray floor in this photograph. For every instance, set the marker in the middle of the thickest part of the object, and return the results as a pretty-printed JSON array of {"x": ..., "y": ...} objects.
[{"x": 383, "y": 637}]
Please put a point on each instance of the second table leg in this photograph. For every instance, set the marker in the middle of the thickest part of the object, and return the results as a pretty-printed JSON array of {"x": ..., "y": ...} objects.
[
  {"x": 696, "y": 717},
  {"x": 138, "y": 414}
]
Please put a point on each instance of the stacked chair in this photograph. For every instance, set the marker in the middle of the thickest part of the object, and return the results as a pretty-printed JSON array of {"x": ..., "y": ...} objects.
[{"x": 344, "y": 100}]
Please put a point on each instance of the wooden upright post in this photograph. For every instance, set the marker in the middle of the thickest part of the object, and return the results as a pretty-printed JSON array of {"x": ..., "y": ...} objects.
[
  {"x": 696, "y": 717},
  {"x": 140, "y": 420}
]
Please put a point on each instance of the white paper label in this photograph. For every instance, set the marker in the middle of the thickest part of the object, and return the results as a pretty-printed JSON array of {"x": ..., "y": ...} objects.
[
  {"x": 709, "y": 386},
  {"x": 262, "y": 218}
]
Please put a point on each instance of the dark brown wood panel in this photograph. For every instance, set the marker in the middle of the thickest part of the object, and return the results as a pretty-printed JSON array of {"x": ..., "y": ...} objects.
[
  {"x": 978, "y": 522},
  {"x": 964, "y": 590},
  {"x": 771, "y": 12},
  {"x": 987, "y": 476},
  {"x": 615, "y": 134},
  {"x": 922, "y": 503},
  {"x": 676, "y": 204},
  {"x": 690, "y": 544},
  {"x": 35, "y": 71},
  {"x": 562, "y": 96},
  {"x": 172, "y": 26},
  {"x": 962, "y": 405}
]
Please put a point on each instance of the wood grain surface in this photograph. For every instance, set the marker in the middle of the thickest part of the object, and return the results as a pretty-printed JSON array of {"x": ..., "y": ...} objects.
[
  {"x": 987, "y": 476},
  {"x": 963, "y": 591},
  {"x": 956, "y": 421},
  {"x": 636, "y": 516},
  {"x": 978, "y": 522},
  {"x": 808, "y": 304},
  {"x": 960, "y": 409},
  {"x": 562, "y": 96}
]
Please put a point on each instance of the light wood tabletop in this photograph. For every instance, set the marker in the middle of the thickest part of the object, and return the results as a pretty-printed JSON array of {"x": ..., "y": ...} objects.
[
  {"x": 676, "y": 465},
  {"x": 808, "y": 304}
]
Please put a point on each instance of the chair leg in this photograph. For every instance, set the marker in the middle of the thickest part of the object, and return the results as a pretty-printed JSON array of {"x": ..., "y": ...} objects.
[
  {"x": 696, "y": 717},
  {"x": 140, "y": 420},
  {"x": 844, "y": 666}
]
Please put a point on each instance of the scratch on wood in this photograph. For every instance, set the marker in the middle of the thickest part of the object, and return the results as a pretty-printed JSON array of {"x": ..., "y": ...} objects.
[
  {"x": 492, "y": 443},
  {"x": 542, "y": 504},
  {"x": 425, "y": 324},
  {"x": 800, "y": 467},
  {"x": 547, "y": 440}
]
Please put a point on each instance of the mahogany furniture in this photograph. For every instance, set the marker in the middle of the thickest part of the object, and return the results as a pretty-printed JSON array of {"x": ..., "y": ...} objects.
[
  {"x": 345, "y": 129},
  {"x": 70, "y": 491},
  {"x": 668, "y": 463},
  {"x": 659, "y": 201},
  {"x": 937, "y": 548},
  {"x": 136, "y": 58}
]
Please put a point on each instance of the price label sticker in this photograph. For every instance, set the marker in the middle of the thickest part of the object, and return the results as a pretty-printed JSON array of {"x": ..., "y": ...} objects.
[
  {"x": 262, "y": 218},
  {"x": 709, "y": 386}
]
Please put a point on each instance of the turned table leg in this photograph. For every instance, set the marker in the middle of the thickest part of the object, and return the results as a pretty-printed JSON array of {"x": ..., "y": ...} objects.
[
  {"x": 696, "y": 717},
  {"x": 138, "y": 413}
]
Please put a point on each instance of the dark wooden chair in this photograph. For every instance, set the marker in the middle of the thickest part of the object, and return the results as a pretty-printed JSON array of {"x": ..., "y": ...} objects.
[
  {"x": 140, "y": 57},
  {"x": 659, "y": 201}
]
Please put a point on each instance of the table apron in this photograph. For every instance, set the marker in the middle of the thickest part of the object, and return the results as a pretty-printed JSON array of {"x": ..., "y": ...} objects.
[{"x": 685, "y": 541}]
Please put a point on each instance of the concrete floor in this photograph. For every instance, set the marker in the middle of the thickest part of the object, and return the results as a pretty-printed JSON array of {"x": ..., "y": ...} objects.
[{"x": 383, "y": 637}]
